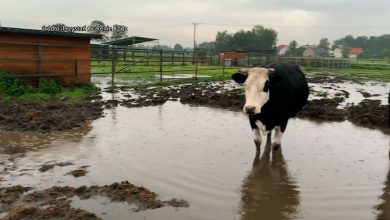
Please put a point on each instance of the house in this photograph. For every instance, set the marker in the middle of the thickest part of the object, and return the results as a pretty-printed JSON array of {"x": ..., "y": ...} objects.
[
  {"x": 338, "y": 52},
  {"x": 315, "y": 52},
  {"x": 282, "y": 49},
  {"x": 232, "y": 58},
  {"x": 354, "y": 52},
  {"x": 32, "y": 54}
]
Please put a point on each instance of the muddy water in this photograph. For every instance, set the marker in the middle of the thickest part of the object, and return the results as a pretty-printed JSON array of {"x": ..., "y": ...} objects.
[{"x": 207, "y": 157}]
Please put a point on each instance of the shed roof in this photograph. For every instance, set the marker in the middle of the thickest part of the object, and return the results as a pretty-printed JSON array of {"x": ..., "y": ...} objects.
[
  {"x": 50, "y": 33},
  {"x": 130, "y": 41},
  {"x": 355, "y": 50}
]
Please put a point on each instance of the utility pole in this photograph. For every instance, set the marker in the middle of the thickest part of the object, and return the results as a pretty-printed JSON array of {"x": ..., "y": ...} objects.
[{"x": 195, "y": 24}]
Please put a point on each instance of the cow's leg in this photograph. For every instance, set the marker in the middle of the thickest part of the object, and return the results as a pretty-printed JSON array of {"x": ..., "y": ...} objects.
[
  {"x": 279, "y": 130},
  {"x": 256, "y": 132},
  {"x": 257, "y": 137}
]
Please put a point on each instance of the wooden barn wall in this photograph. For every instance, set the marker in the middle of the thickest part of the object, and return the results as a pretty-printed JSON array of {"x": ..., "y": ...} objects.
[{"x": 61, "y": 50}]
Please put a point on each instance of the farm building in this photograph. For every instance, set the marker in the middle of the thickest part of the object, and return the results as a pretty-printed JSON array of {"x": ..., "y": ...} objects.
[
  {"x": 354, "y": 52},
  {"x": 232, "y": 58},
  {"x": 315, "y": 52},
  {"x": 282, "y": 49},
  {"x": 33, "y": 54}
]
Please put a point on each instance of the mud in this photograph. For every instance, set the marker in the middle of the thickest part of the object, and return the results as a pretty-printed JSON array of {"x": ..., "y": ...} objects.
[
  {"x": 79, "y": 172},
  {"x": 216, "y": 95},
  {"x": 369, "y": 113},
  {"x": 323, "y": 110},
  {"x": 50, "y": 166},
  {"x": 45, "y": 116},
  {"x": 55, "y": 202}
]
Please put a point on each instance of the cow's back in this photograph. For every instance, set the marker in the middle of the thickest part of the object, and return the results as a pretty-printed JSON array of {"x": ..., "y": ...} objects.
[{"x": 288, "y": 90}]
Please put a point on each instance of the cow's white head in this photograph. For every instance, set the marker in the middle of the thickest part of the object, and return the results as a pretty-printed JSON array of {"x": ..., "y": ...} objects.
[{"x": 256, "y": 83}]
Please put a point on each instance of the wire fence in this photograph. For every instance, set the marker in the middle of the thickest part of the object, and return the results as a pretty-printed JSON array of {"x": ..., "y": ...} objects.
[{"x": 76, "y": 64}]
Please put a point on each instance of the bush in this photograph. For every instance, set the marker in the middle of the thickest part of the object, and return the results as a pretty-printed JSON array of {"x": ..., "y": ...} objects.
[
  {"x": 9, "y": 86},
  {"x": 89, "y": 87},
  {"x": 49, "y": 86}
]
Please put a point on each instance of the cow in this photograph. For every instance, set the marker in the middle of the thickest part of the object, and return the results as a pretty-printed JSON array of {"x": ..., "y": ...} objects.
[{"x": 273, "y": 93}]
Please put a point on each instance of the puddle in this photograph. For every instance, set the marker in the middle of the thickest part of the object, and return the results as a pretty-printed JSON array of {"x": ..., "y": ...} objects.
[
  {"x": 378, "y": 91},
  {"x": 182, "y": 76},
  {"x": 206, "y": 156}
]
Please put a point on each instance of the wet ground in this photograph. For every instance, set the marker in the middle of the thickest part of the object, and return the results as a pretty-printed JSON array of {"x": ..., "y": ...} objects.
[{"x": 195, "y": 161}]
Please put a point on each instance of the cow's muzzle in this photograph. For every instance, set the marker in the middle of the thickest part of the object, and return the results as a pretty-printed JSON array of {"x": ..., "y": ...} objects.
[{"x": 250, "y": 110}]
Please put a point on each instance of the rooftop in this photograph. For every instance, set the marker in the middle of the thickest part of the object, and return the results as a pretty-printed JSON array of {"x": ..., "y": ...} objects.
[
  {"x": 49, "y": 33},
  {"x": 130, "y": 41}
]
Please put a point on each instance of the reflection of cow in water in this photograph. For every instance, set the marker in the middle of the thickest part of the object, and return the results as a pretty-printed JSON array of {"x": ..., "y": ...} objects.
[
  {"x": 268, "y": 192},
  {"x": 384, "y": 207}
]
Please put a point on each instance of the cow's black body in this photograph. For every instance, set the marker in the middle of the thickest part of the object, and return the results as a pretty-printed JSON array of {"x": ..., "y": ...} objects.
[{"x": 288, "y": 91}]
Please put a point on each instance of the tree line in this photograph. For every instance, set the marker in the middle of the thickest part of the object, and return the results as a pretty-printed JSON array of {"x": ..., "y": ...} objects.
[
  {"x": 260, "y": 38},
  {"x": 373, "y": 46}
]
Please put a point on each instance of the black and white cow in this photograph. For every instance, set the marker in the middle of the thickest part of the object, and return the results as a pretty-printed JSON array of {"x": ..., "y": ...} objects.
[{"x": 273, "y": 94}]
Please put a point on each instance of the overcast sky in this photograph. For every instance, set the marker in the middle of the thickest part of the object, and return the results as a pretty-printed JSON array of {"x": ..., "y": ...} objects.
[{"x": 305, "y": 21}]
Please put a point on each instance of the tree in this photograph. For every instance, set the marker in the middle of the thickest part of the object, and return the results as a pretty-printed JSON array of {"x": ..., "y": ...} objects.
[
  {"x": 345, "y": 51},
  {"x": 259, "y": 38},
  {"x": 178, "y": 47},
  {"x": 96, "y": 30},
  {"x": 119, "y": 32},
  {"x": 386, "y": 53},
  {"x": 222, "y": 41},
  {"x": 292, "y": 49},
  {"x": 324, "y": 43},
  {"x": 209, "y": 46}
]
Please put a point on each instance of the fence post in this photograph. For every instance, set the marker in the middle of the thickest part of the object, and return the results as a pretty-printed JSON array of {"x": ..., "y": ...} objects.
[
  {"x": 223, "y": 70},
  {"x": 39, "y": 62},
  {"x": 172, "y": 58},
  {"x": 196, "y": 63},
  {"x": 76, "y": 71},
  {"x": 183, "y": 59},
  {"x": 147, "y": 57},
  {"x": 124, "y": 54},
  {"x": 112, "y": 71},
  {"x": 161, "y": 64}
]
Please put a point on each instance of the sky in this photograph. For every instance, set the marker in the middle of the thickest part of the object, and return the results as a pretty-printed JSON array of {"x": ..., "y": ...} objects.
[{"x": 170, "y": 21}]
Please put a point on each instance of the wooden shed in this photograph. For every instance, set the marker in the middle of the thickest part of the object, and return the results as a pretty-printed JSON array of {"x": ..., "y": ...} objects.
[
  {"x": 231, "y": 57},
  {"x": 33, "y": 54}
]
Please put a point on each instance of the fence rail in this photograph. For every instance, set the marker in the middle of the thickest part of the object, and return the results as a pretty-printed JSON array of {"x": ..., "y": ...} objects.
[{"x": 36, "y": 60}]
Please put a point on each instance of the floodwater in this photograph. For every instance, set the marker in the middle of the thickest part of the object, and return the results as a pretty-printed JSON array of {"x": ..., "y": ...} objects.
[{"x": 207, "y": 157}]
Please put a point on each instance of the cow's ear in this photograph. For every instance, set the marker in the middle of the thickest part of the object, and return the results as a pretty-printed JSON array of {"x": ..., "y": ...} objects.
[{"x": 239, "y": 77}]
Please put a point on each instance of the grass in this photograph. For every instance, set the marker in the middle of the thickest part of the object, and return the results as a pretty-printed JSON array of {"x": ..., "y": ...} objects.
[{"x": 12, "y": 89}]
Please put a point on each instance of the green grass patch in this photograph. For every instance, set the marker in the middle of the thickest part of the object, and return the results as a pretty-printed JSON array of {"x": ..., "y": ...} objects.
[{"x": 12, "y": 89}]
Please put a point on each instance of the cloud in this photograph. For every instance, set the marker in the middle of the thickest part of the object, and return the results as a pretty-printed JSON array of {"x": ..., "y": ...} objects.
[{"x": 170, "y": 20}]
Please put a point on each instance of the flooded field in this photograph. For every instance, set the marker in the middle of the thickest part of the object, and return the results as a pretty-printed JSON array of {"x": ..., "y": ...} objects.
[{"x": 206, "y": 158}]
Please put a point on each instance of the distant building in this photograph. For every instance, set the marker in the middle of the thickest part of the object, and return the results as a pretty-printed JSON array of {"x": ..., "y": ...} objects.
[
  {"x": 338, "y": 52},
  {"x": 354, "y": 52},
  {"x": 282, "y": 49},
  {"x": 315, "y": 52},
  {"x": 232, "y": 58}
]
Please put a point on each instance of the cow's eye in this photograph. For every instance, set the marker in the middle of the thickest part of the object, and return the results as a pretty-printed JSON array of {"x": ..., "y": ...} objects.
[{"x": 266, "y": 86}]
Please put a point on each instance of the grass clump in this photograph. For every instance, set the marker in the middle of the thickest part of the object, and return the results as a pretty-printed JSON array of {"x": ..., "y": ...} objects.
[{"x": 11, "y": 88}]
